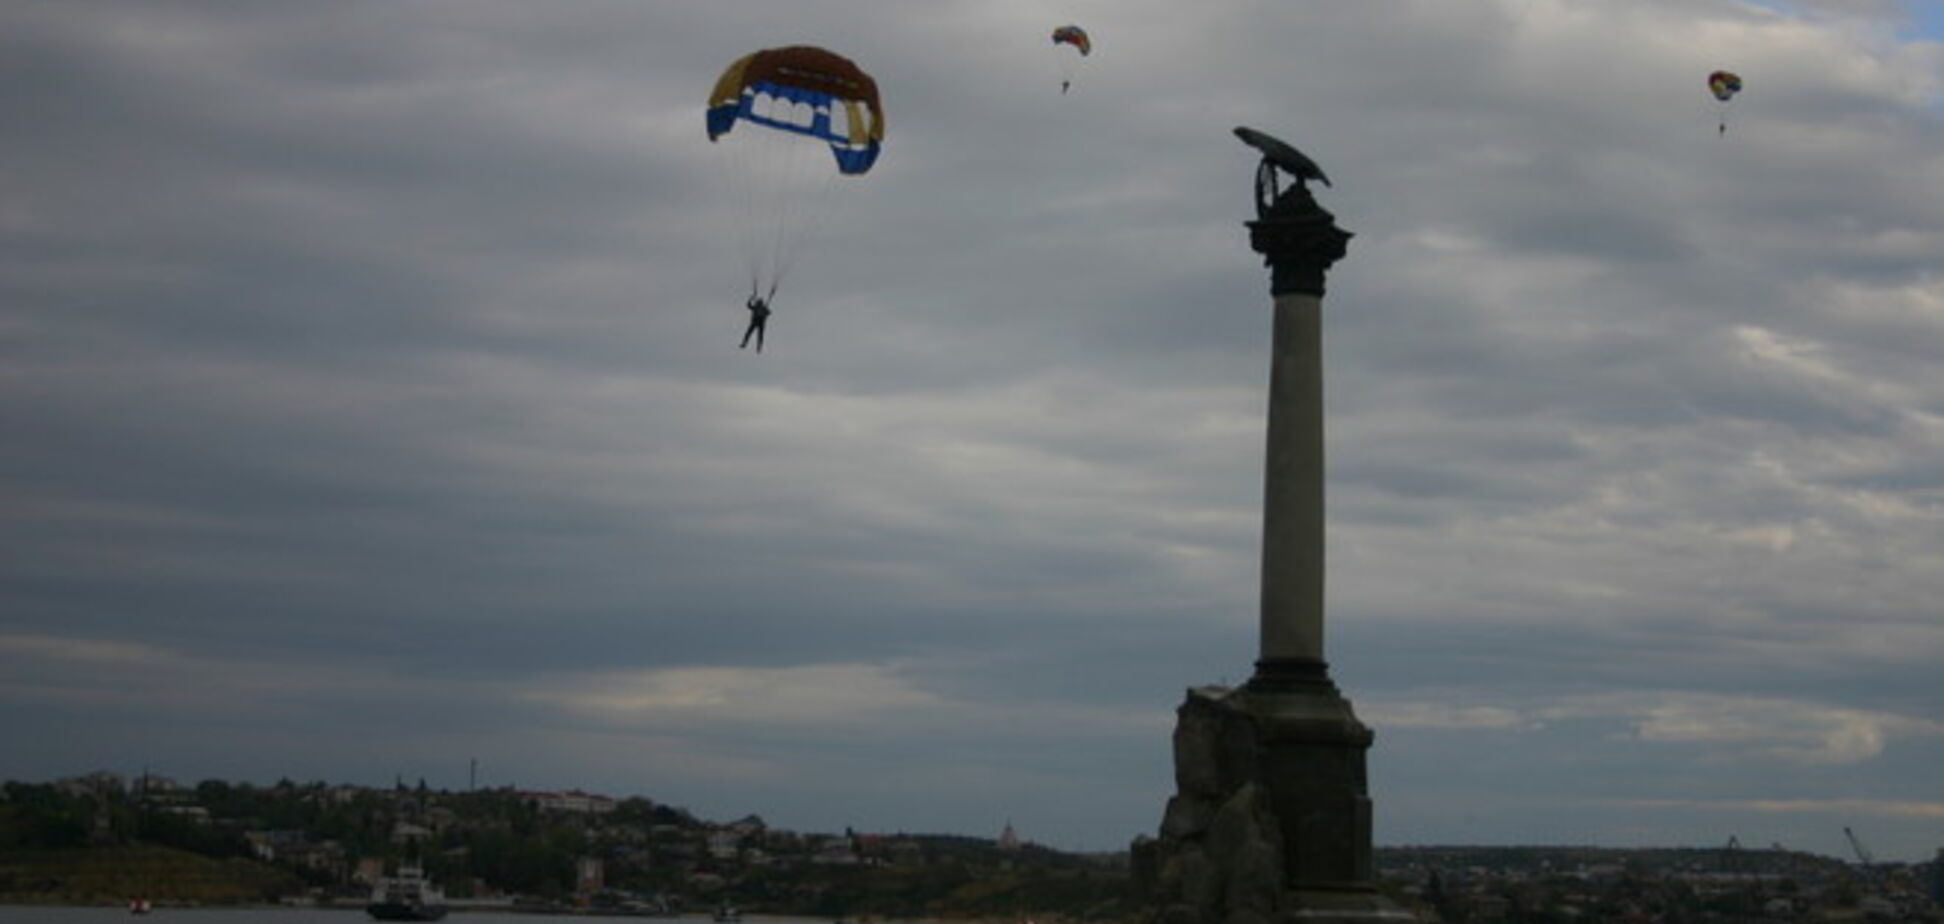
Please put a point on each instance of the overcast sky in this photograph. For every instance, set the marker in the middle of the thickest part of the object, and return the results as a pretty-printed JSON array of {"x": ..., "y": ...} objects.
[{"x": 370, "y": 403}]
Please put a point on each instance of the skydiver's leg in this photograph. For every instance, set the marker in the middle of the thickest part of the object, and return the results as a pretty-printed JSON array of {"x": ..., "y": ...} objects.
[
  {"x": 760, "y": 327},
  {"x": 753, "y": 327}
]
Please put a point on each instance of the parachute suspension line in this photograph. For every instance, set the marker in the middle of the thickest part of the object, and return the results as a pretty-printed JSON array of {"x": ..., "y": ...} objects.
[
  {"x": 782, "y": 184},
  {"x": 794, "y": 178},
  {"x": 1063, "y": 66},
  {"x": 813, "y": 212},
  {"x": 1724, "y": 85},
  {"x": 778, "y": 182},
  {"x": 738, "y": 169}
]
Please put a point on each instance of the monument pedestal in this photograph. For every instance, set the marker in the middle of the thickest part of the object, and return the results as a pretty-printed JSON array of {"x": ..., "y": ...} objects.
[
  {"x": 1312, "y": 749},
  {"x": 1270, "y": 821}
]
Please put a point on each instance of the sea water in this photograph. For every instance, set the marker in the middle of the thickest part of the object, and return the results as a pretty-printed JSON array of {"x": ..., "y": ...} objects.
[{"x": 31, "y": 914}]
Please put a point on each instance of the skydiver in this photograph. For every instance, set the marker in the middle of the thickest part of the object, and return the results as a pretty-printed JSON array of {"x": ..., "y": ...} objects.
[
  {"x": 1063, "y": 86},
  {"x": 759, "y": 312}
]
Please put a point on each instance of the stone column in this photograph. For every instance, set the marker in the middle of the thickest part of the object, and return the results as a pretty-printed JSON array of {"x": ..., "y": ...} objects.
[
  {"x": 1292, "y": 496},
  {"x": 1271, "y": 821}
]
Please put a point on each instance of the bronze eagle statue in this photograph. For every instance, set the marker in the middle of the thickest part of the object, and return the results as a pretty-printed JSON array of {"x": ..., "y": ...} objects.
[{"x": 1279, "y": 155}]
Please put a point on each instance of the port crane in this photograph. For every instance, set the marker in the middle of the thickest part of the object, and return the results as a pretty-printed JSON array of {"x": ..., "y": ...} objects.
[
  {"x": 1872, "y": 873},
  {"x": 1863, "y": 854}
]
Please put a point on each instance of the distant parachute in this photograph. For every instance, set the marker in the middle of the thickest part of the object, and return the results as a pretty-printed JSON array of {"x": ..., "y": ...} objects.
[
  {"x": 796, "y": 101},
  {"x": 1724, "y": 85},
  {"x": 1077, "y": 38}
]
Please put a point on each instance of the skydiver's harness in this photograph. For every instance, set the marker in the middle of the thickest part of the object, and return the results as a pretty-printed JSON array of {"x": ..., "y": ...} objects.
[{"x": 760, "y": 305}]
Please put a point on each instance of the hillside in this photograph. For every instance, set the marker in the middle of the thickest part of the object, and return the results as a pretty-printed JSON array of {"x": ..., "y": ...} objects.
[{"x": 117, "y": 874}]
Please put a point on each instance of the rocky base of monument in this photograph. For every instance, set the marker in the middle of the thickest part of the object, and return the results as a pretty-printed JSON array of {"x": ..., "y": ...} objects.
[{"x": 1269, "y": 823}]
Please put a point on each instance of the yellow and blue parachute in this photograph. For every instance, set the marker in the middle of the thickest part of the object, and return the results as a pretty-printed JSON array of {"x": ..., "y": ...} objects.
[
  {"x": 808, "y": 91},
  {"x": 797, "y": 101}
]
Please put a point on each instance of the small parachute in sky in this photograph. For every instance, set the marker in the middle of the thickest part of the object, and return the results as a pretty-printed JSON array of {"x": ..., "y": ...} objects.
[
  {"x": 1724, "y": 85},
  {"x": 775, "y": 113},
  {"x": 1076, "y": 37}
]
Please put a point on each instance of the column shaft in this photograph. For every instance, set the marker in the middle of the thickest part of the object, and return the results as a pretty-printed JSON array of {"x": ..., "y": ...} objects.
[{"x": 1292, "y": 518}]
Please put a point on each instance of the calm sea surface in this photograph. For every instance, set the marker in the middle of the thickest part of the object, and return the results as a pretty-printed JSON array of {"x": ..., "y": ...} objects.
[{"x": 28, "y": 914}]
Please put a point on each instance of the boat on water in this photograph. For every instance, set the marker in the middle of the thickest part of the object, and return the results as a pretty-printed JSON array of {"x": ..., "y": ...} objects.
[
  {"x": 727, "y": 912},
  {"x": 408, "y": 896},
  {"x": 140, "y": 906}
]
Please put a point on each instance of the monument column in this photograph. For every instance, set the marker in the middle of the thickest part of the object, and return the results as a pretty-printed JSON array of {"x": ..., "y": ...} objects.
[
  {"x": 1271, "y": 820},
  {"x": 1298, "y": 248}
]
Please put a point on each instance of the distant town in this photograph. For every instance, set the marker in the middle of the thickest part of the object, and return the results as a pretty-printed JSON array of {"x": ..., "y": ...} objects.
[{"x": 104, "y": 838}]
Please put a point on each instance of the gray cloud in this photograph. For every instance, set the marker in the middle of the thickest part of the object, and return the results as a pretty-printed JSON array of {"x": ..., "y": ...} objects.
[{"x": 372, "y": 405}]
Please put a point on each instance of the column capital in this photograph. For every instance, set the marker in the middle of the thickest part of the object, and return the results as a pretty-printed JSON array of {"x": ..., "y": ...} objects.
[{"x": 1299, "y": 240}]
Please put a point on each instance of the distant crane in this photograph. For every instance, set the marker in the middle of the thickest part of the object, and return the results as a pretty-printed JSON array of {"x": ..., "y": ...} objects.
[
  {"x": 1872, "y": 874},
  {"x": 1863, "y": 854}
]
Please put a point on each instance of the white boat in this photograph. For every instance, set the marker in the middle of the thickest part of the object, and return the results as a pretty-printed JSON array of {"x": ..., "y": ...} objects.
[{"x": 408, "y": 896}]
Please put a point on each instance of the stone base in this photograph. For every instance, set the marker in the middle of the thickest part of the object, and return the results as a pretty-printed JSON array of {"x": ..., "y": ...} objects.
[{"x": 1270, "y": 823}]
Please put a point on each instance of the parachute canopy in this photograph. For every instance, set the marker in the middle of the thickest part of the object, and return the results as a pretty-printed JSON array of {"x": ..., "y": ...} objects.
[
  {"x": 805, "y": 90},
  {"x": 1724, "y": 85},
  {"x": 1075, "y": 36}
]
